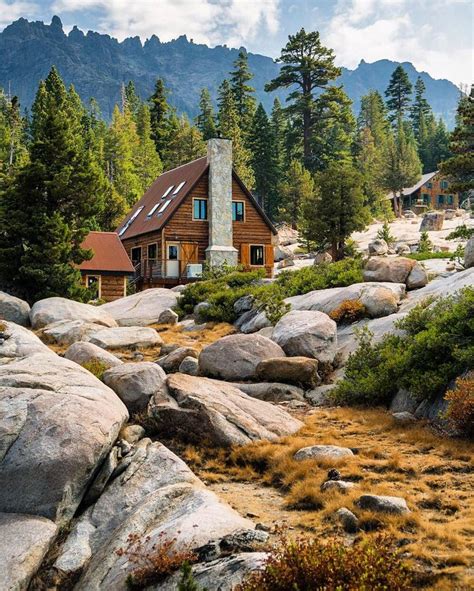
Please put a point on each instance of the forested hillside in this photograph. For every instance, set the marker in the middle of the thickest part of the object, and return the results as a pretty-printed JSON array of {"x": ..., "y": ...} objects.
[{"x": 97, "y": 65}]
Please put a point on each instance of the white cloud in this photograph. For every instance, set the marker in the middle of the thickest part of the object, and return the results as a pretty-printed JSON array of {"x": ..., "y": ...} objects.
[
  {"x": 10, "y": 11},
  {"x": 234, "y": 22},
  {"x": 393, "y": 29}
]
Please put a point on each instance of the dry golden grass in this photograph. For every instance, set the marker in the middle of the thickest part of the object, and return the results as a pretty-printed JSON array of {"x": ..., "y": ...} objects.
[{"x": 433, "y": 474}]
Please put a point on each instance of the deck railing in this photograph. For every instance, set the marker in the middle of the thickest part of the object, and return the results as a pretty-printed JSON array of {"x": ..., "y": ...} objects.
[{"x": 150, "y": 270}]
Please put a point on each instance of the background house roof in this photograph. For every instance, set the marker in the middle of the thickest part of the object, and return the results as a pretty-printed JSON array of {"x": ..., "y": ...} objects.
[
  {"x": 164, "y": 197},
  {"x": 109, "y": 253},
  {"x": 407, "y": 191}
]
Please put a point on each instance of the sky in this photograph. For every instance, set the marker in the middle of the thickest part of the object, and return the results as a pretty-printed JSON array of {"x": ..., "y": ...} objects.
[{"x": 435, "y": 35}]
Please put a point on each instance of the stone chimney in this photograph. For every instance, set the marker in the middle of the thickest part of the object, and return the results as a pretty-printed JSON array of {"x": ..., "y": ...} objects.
[{"x": 220, "y": 249}]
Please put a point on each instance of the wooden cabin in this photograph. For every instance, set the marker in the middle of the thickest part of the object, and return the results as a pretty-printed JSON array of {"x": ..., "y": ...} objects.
[
  {"x": 108, "y": 269},
  {"x": 432, "y": 191},
  {"x": 198, "y": 213}
]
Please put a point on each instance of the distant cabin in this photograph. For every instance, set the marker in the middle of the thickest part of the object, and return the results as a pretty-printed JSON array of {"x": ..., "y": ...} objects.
[
  {"x": 108, "y": 269},
  {"x": 432, "y": 191},
  {"x": 199, "y": 212}
]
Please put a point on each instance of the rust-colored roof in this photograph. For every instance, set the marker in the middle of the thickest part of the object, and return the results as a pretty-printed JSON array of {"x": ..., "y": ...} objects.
[
  {"x": 188, "y": 174},
  {"x": 157, "y": 196},
  {"x": 109, "y": 253}
]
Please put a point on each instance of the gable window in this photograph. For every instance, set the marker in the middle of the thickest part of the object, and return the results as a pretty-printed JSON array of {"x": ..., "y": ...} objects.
[
  {"x": 444, "y": 184},
  {"x": 429, "y": 185},
  {"x": 200, "y": 209},
  {"x": 152, "y": 251},
  {"x": 238, "y": 211},
  {"x": 256, "y": 255}
]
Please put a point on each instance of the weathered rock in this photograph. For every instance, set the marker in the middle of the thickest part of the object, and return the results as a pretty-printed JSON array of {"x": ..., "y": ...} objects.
[
  {"x": 189, "y": 366},
  {"x": 337, "y": 485},
  {"x": 378, "y": 247},
  {"x": 396, "y": 270},
  {"x": 323, "y": 452},
  {"x": 132, "y": 433},
  {"x": 142, "y": 308},
  {"x": 56, "y": 415},
  {"x": 379, "y": 302},
  {"x": 328, "y": 300},
  {"x": 178, "y": 288},
  {"x": 156, "y": 496},
  {"x": 245, "y": 540},
  {"x": 322, "y": 258},
  {"x": 100, "y": 481},
  {"x": 383, "y": 504},
  {"x": 348, "y": 520},
  {"x": 432, "y": 221},
  {"x": 404, "y": 417},
  {"x": 468, "y": 255},
  {"x": 200, "y": 310},
  {"x": 402, "y": 248},
  {"x": 243, "y": 304},
  {"x": 307, "y": 334},
  {"x": 20, "y": 342},
  {"x": 136, "y": 383},
  {"x": 24, "y": 540},
  {"x": 168, "y": 317},
  {"x": 285, "y": 263},
  {"x": 14, "y": 310},
  {"x": 236, "y": 357},
  {"x": 76, "y": 550},
  {"x": 199, "y": 409},
  {"x": 320, "y": 396},
  {"x": 51, "y": 310},
  {"x": 171, "y": 362},
  {"x": 83, "y": 352},
  {"x": 66, "y": 332},
  {"x": 403, "y": 402},
  {"x": 301, "y": 371},
  {"x": 126, "y": 337},
  {"x": 283, "y": 252},
  {"x": 252, "y": 321},
  {"x": 417, "y": 278},
  {"x": 271, "y": 391}
]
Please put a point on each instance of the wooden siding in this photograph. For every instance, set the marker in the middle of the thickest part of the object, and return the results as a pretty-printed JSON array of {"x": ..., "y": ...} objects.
[
  {"x": 433, "y": 192},
  {"x": 112, "y": 287}
]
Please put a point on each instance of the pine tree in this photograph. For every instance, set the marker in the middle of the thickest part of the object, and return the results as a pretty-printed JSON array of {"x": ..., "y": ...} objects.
[
  {"x": 279, "y": 126},
  {"x": 185, "y": 145},
  {"x": 229, "y": 128},
  {"x": 206, "y": 120},
  {"x": 337, "y": 208},
  {"x": 52, "y": 202},
  {"x": 307, "y": 67},
  {"x": 297, "y": 188},
  {"x": 460, "y": 167},
  {"x": 398, "y": 95},
  {"x": 148, "y": 165},
  {"x": 420, "y": 110},
  {"x": 160, "y": 112},
  {"x": 13, "y": 149},
  {"x": 244, "y": 99},
  {"x": 132, "y": 99},
  {"x": 264, "y": 161}
]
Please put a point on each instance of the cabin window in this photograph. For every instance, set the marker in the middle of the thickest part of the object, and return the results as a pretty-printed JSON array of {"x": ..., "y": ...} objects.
[
  {"x": 426, "y": 198},
  {"x": 440, "y": 199},
  {"x": 200, "y": 209},
  {"x": 93, "y": 284},
  {"x": 450, "y": 200},
  {"x": 237, "y": 211},
  {"x": 256, "y": 255},
  {"x": 152, "y": 251},
  {"x": 444, "y": 184},
  {"x": 136, "y": 254}
]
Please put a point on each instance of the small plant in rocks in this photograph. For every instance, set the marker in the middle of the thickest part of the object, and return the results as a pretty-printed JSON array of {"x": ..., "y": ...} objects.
[{"x": 95, "y": 367}]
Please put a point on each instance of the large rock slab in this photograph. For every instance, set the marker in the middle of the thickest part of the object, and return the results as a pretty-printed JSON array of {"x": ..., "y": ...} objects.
[
  {"x": 125, "y": 338},
  {"x": 271, "y": 391},
  {"x": 135, "y": 383},
  {"x": 156, "y": 496},
  {"x": 396, "y": 270},
  {"x": 142, "y": 308},
  {"x": 307, "y": 334},
  {"x": 301, "y": 371},
  {"x": 83, "y": 352},
  {"x": 66, "y": 332},
  {"x": 383, "y": 504},
  {"x": 200, "y": 409},
  {"x": 14, "y": 309},
  {"x": 369, "y": 294},
  {"x": 58, "y": 422},
  {"x": 24, "y": 540},
  {"x": 432, "y": 221},
  {"x": 51, "y": 310},
  {"x": 20, "y": 342},
  {"x": 236, "y": 357}
]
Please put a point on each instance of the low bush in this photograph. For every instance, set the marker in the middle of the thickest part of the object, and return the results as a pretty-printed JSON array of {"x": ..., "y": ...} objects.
[
  {"x": 460, "y": 412},
  {"x": 96, "y": 367},
  {"x": 425, "y": 244},
  {"x": 425, "y": 256},
  {"x": 3, "y": 326},
  {"x": 385, "y": 234},
  {"x": 348, "y": 311},
  {"x": 462, "y": 232},
  {"x": 154, "y": 563},
  {"x": 308, "y": 564},
  {"x": 436, "y": 346}
]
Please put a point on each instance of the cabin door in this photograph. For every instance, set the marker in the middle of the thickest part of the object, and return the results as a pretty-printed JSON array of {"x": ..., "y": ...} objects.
[{"x": 173, "y": 255}]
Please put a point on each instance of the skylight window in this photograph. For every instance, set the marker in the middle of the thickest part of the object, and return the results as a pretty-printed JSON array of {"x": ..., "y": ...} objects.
[
  {"x": 167, "y": 192},
  {"x": 164, "y": 206},
  {"x": 130, "y": 221},
  {"x": 152, "y": 210},
  {"x": 179, "y": 187}
]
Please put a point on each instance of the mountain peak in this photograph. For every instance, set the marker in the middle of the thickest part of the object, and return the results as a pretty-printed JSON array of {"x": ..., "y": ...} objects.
[{"x": 56, "y": 22}]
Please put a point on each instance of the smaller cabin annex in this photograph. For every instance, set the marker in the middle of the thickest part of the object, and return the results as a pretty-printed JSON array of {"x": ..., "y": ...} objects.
[
  {"x": 108, "y": 269},
  {"x": 199, "y": 212}
]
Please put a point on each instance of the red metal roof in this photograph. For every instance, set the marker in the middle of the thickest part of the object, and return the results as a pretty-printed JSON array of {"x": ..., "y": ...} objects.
[{"x": 109, "y": 253}]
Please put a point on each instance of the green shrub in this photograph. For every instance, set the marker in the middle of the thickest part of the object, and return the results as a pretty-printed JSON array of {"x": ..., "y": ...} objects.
[
  {"x": 96, "y": 367},
  {"x": 436, "y": 346},
  {"x": 308, "y": 564},
  {"x": 461, "y": 233},
  {"x": 426, "y": 256},
  {"x": 385, "y": 234},
  {"x": 425, "y": 244},
  {"x": 460, "y": 412},
  {"x": 269, "y": 299}
]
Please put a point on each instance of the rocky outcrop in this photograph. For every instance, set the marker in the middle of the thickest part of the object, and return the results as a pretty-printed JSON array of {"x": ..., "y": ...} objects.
[
  {"x": 200, "y": 409},
  {"x": 66, "y": 332},
  {"x": 379, "y": 299},
  {"x": 51, "y": 310},
  {"x": 14, "y": 310},
  {"x": 468, "y": 255},
  {"x": 125, "y": 338},
  {"x": 307, "y": 334},
  {"x": 168, "y": 317},
  {"x": 323, "y": 452},
  {"x": 18, "y": 342},
  {"x": 432, "y": 221},
  {"x": 236, "y": 357},
  {"x": 142, "y": 308},
  {"x": 82, "y": 353},
  {"x": 135, "y": 383},
  {"x": 272, "y": 391},
  {"x": 24, "y": 540},
  {"x": 301, "y": 371},
  {"x": 383, "y": 504},
  {"x": 396, "y": 270},
  {"x": 252, "y": 321},
  {"x": 190, "y": 366},
  {"x": 172, "y": 361},
  {"x": 378, "y": 247}
]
